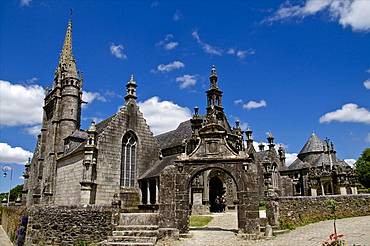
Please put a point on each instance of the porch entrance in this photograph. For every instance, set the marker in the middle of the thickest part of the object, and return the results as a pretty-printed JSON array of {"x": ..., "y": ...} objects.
[{"x": 216, "y": 189}]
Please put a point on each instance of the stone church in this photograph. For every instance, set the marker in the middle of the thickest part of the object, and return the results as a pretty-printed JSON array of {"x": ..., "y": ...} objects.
[{"x": 120, "y": 160}]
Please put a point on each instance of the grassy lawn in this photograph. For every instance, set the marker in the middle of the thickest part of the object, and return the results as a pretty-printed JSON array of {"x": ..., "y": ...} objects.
[{"x": 199, "y": 221}]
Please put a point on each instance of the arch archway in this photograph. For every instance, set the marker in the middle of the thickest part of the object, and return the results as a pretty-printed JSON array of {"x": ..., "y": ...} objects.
[{"x": 175, "y": 187}]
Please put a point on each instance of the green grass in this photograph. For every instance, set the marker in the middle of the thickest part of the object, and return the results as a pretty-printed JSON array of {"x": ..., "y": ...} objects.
[{"x": 199, "y": 221}]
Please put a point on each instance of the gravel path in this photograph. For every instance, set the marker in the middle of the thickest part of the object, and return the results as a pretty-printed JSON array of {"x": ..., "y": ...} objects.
[{"x": 222, "y": 231}]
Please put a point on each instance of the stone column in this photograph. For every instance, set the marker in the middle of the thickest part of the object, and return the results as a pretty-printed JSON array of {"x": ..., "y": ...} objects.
[
  {"x": 313, "y": 192},
  {"x": 148, "y": 192},
  {"x": 248, "y": 215},
  {"x": 322, "y": 189},
  {"x": 167, "y": 209},
  {"x": 156, "y": 190}
]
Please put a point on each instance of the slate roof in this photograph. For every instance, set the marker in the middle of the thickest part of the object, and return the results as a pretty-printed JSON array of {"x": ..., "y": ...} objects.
[
  {"x": 175, "y": 137},
  {"x": 156, "y": 169},
  {"x": 312, "y": 155},
  {"x": 298, "y": 164},
  {"x": 103, "y": 124},
  {"x": 314, "y": 144},
  {"x": 79, "y": 134},
  {"x": 82, "y": 134}
]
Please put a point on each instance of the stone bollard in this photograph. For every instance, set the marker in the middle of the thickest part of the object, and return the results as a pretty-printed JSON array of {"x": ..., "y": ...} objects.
[{"x": 268, "y": 232}]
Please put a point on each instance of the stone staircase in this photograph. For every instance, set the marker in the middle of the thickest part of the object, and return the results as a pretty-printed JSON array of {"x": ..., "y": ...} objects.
[{"x": 135, "y": 229}]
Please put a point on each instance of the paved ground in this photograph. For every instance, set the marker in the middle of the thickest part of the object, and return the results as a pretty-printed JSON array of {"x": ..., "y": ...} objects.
[
  {"x": 4, "y": 240},
  {"x": 221, "y": 231}
]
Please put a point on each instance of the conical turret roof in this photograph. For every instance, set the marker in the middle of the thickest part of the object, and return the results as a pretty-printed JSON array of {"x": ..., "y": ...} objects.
[{"x": 313, "y": 145}]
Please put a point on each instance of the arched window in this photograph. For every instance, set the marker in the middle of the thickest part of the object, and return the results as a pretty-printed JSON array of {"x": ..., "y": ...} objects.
[{"x": 128, "y": 160}]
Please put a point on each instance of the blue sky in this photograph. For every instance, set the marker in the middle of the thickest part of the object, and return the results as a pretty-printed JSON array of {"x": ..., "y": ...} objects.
[{"x": 289, "y": 67}]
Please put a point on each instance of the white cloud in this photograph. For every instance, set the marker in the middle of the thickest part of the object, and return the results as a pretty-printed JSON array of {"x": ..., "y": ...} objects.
[
  {"x": 154, "y": 4},
  {"x": 348, "y": 113},
  {"x": 95, "y": 119},
  {"x": 240, "y": 53},
  {"x": 89, "y": 97},
  {"x": 163, "y": 116},
  {"x": 20, "y": 105},
  {"x": 218, "y": 51},
  {"x": 34, "y": 130},
  {"x": 244, "y": 53},
  {"x": 367, "y": 84},
  {"x": 117, "y": 51},
  {"x": 354, "y": 13},
  {"x": 350, "y": 161},
  {"x": 290, "y": 157},
  {"x": 171, "y": 45},
  {"x": 253, "y": 104},
  {"x": 238, "y": 101},
  {"x": 177, "y": 16},
  {"x": 167, "y": 44},
  {"x": 206, "y": 47},
  {"x": 15, "y": 155},
  {"x": 367, "y": 139},
  {"x": 169, "y": 67},
  {"x": 25, "y": 3},
  {"x": 187, "y": 80}
]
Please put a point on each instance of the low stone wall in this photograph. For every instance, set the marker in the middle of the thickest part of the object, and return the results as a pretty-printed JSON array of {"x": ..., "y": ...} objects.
[
  {"x": 295, "y": 211},
  {"x": 10, "y": 220},
  {"x": 67, "y": 225}
]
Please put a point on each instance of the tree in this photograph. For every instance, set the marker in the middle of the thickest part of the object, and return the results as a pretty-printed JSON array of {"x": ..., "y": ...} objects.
[
  {"x": 13, "y": 193},
  {"x": 363, "y": 168}
]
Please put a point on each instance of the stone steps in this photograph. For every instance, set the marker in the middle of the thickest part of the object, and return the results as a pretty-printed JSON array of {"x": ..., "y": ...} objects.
[{"x": 134, "y": 235}]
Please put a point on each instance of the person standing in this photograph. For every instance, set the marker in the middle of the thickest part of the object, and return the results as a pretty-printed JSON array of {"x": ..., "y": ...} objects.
[
  {"x": 223, "y": 204},
  {"x": 218, "y": 204}
]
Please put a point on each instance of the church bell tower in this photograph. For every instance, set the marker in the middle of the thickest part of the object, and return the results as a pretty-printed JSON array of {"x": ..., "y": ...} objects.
[{"x": 61, "y": 117}]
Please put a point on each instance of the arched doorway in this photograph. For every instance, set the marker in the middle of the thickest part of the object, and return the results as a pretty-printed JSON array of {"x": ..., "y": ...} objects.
[
  {"x": 175, "y": 192},
  {"x": 216, "y": 189}
]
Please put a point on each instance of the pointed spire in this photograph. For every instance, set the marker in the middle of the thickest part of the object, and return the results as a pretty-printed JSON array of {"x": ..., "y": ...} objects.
[
  {"x": 67, "y": 63},
  {"x": 66, "y": 54}
]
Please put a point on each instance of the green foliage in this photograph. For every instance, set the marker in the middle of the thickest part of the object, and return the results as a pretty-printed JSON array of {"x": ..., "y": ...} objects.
[
  {"x": 332, "y": 205},
  {"x": 13, "y": 193},
  {"x": 286, "y": 225},
  {"x": 262, "y": 205},
  {"x": 199, "y": 221},
  {"x": 363, "y": 168}
]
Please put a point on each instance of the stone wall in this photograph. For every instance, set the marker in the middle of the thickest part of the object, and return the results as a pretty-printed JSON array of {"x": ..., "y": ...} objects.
[
  {"x": 295, "y": 211},
  {"x": 10, "y": 220},
  {"x": 67, "y": 225},
  {"x": 69, "y": 176}
]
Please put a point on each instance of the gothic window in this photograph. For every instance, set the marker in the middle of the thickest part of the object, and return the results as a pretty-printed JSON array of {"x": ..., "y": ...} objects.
[{"x": 128, "y": 160}]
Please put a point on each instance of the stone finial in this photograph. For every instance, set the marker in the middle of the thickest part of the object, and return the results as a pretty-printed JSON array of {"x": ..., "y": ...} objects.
[
  {"x": 213, "y": 78},
  {"x": 196, "y": 111},
  {"x": 92, "y": 127},
  {"x": 131, "y": 89},
  {"x": 261, "y": 146}
]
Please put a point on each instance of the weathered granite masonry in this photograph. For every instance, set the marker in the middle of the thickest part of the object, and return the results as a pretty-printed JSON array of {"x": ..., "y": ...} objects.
[
  {"x": 297, "y": 210},
  {"x": 10, "y": 220},
  {"x": 67, "y": 225}
]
